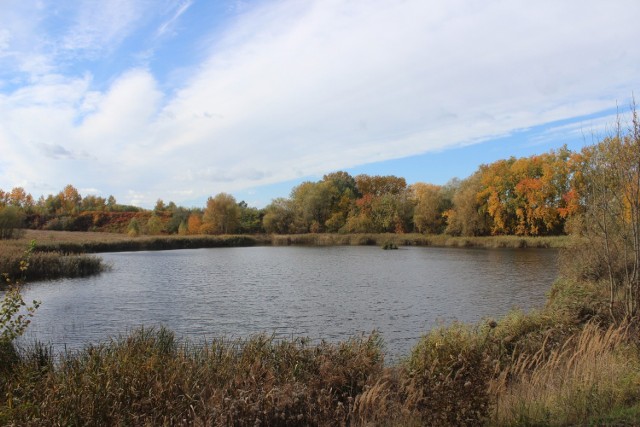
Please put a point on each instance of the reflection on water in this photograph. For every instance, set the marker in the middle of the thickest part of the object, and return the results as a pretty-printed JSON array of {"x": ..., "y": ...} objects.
[{"x": 319, "y": 292}]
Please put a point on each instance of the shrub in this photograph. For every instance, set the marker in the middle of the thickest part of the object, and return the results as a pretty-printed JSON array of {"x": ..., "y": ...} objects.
[
  {"x": 11, "y": 219},
  {"x": 447, "y": 377}
]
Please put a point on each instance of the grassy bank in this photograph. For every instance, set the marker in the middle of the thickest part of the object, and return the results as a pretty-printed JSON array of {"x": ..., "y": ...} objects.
[
  {"x": 64, "y": 254},
  {"x": 414, "y": 239},
  {"x": 563, "y": 365},
  {"x": 70, "y": 242},
  {"x": 93, "y": 242}
]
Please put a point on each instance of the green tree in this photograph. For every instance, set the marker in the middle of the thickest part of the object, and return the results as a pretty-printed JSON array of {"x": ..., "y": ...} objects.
[
  {"x": 178, "y": 216},
  {"x": 133, "y": 229},
  {"x": 154, "y": 225},
  {"x": 93, "y": 203},
  {"x": 250, "y": 219},
  {"x": 11, "y": 221},
  {"x": 160, "y": 207},
  {"x": 278, "y": 216}
]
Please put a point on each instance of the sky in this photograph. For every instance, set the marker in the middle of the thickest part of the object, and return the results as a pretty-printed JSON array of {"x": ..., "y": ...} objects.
[{"x": 183, "y": 99}]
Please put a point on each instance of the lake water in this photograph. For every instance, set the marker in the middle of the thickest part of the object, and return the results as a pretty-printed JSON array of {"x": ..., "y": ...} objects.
[{"x": 330, "y": 293}]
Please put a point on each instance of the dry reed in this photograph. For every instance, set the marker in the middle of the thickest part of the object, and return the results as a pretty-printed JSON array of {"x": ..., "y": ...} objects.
[{"x": 593, "y": 371}]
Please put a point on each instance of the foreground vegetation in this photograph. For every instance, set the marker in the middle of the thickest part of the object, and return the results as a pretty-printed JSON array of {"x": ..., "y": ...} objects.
[{"x": 567, "y": 364}]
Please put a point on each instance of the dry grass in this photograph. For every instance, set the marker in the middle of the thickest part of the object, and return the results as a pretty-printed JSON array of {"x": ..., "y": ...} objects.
[
  {"x": 594, "y": 371},
  {"x": 414, "y": 239},
  {"x": 46, "y": 265},
  {"x": 84, "y": 242},
  {"x": 149, "y": 379}
]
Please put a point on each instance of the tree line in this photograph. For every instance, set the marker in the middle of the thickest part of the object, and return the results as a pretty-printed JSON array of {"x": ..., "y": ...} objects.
[{"x": 529, "y": 196}]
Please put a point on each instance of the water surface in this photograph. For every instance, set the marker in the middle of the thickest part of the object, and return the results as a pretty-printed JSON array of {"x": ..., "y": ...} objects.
[{"x": 330, "y": 293}]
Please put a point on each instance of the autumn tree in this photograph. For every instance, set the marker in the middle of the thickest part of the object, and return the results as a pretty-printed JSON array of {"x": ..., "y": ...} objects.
[
  {"x": 20, "y": 198},
  {"x": 343, "y": 193},
  {"x": 430, "y": 204},
  {"x": 194, "y": 223},
  {"x": 70, "y": 199},
  {"x": 609, "y": 182},
  {"x": 222, "y": 215},
  {"x": 384, "y": 207},
  {"x": 468, "y": 215},
  {"x": 377, "y": 185}
]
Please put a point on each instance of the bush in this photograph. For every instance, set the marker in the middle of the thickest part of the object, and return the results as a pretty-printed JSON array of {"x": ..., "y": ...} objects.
[
  {"x": 447, "y": 377},
  {"x": 11, "y": 219}
]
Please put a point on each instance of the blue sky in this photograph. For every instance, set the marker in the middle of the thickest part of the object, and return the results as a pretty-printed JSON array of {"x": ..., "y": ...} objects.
[{"x": 181, "y": 100}]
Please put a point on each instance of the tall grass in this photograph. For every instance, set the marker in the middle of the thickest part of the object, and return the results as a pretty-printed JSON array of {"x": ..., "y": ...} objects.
[
  {"x": 415, "y": 239},
  {"x": 48, "y": 265},
  {"x": 148, "y": 378},
  {"x": 594, "y": 371}
]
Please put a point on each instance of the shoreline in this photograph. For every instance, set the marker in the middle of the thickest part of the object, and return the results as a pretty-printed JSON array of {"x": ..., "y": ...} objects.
[
  {"x": 67, "y": 254},
  {"x": 96, "y": 242}
]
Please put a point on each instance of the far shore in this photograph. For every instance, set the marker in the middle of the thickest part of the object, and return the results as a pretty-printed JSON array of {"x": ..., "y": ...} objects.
[{"x": 96, "y": 242}]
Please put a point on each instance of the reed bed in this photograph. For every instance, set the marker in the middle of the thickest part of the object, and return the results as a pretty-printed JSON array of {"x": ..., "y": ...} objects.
[
  {"x": 79, "y": 242},
  {"x": 47, "y": 265},
  {"x": 148, "y": 378},
  {"x": 415, "y": 239},
  {"x": 93, "y": 242}
]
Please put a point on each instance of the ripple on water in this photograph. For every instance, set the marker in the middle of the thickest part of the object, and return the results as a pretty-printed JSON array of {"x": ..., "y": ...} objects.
[{"x": 323, "y": 293}]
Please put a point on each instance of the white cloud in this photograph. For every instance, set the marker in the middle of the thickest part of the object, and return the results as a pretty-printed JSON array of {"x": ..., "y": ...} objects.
[
  {"x": 302, "y": 88},
  {"x": 168, "y": 24},
  {"x": 98, "y": 26}
]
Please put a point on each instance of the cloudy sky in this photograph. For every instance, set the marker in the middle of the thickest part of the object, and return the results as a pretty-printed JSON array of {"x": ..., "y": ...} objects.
[{"x": 182, "y": 99}]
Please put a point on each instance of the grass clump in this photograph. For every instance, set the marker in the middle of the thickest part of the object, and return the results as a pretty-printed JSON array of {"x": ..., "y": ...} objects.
[
  {"x": 48, "y": 265},
  {"x": 447, "y": 375}
]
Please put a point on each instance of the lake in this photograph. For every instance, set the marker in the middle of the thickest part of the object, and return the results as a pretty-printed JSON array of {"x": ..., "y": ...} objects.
[{"x": 330, "y": 293}]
